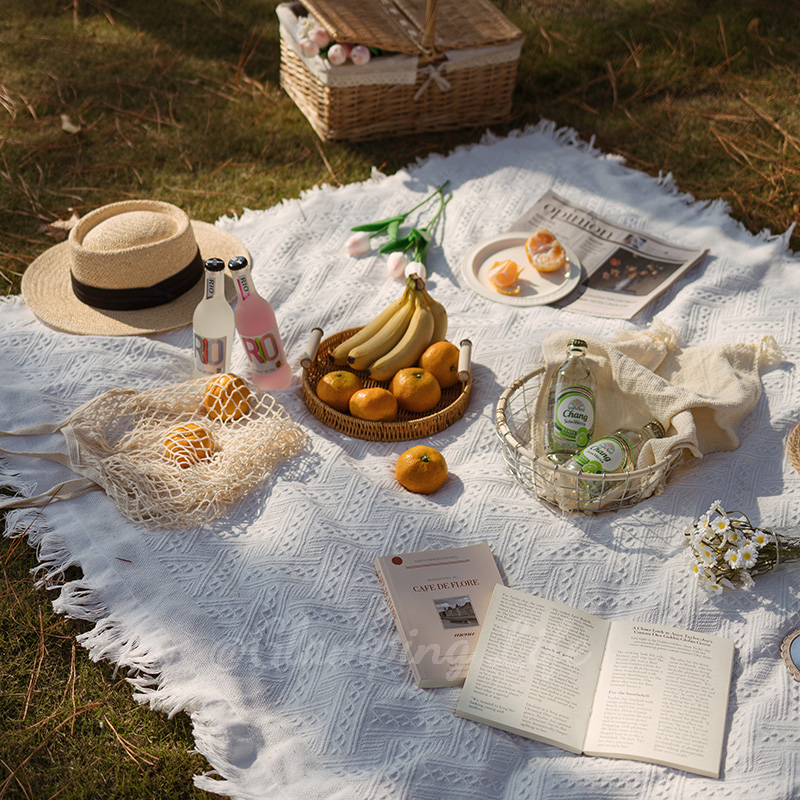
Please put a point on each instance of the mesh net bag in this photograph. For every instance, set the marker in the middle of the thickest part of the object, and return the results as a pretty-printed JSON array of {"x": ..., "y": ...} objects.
[{"x": 171, "y": 457}]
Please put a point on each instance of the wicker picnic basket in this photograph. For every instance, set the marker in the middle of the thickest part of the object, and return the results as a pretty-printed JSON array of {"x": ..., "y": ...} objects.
[
  {"x": 408, "y": 425},
  {"x": 554, "y": 485},
  {"x": 447, "y": 64}
]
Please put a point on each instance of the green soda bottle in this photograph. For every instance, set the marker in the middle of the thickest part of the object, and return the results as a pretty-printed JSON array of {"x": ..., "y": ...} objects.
[{"x": 571, "y": 405}]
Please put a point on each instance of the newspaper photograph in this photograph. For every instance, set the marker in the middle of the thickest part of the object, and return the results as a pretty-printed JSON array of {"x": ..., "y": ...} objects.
[{"x": 624, "y": 269}]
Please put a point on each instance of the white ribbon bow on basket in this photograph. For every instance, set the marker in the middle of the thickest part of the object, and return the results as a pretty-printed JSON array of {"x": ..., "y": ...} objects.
[{"x": 433, "y": 75}]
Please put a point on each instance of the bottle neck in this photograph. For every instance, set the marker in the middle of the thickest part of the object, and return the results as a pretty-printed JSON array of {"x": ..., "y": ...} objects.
[
  {"x": 654, "y": 430},
  {"x": 214, "y": 285},
  {"x": 244, "y": 284}
]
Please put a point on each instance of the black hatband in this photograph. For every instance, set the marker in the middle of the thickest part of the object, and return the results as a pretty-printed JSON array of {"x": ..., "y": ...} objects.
[{"x": 139, "y": 297}]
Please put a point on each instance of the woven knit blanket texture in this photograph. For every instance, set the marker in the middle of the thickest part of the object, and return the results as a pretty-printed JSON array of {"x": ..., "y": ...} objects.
[{"x": 268, "y": 626}]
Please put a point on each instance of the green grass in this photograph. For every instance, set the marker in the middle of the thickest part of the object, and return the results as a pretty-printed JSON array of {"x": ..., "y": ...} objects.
[{"x": 180, "y": 101}]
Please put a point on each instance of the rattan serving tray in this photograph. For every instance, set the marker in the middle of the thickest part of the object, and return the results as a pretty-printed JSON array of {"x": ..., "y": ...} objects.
[{"x": 408, "y": 425}]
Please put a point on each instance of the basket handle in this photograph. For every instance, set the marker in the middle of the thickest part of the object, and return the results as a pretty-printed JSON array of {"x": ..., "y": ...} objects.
[
  {"x": 464, "y": 360},
  {"x": 429, "y": 32}
]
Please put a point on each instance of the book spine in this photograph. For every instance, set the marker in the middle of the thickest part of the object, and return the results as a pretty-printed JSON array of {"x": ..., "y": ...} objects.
[{"x": 398, "y": 624}]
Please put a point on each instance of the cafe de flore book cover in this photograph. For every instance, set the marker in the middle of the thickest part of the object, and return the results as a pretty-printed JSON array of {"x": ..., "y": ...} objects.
[{"x": 438, "y": 599}]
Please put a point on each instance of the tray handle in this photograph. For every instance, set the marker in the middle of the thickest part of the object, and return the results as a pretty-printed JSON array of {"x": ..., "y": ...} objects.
[
  {"x": 307, "y": 359},
  {"x": 464, "y": 360}
]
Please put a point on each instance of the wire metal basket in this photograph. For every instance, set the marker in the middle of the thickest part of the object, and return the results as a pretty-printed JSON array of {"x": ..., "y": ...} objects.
[{"x": 553, "y": 484}]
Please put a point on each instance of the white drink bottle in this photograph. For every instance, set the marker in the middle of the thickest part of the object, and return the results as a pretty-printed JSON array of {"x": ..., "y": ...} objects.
[
  {"x": 212, "y": 324},
  {"x": 571, "y": 405},
  {"x": 258, "y": 330}
]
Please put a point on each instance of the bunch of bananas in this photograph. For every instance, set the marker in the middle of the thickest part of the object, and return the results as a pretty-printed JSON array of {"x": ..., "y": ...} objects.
[{"x": 398, "y": 336}]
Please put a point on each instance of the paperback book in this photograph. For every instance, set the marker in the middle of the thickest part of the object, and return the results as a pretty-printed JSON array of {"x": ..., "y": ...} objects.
[
  {"x": 618, "y": 689},
  {"x": 438, "y": 599}
]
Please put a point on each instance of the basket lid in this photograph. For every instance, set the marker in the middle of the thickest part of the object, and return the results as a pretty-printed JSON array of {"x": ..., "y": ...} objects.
[{"x": 398, "y": 25}]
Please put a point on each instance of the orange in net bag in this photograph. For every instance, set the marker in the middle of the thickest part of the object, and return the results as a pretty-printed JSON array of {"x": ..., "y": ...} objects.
[{"x": 165, "y": 457}]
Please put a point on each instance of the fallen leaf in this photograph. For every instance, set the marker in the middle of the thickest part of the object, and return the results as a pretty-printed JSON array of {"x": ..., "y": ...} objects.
[
  {"x": 68, "y": 125},
  {"x": 59, "y": 229}
]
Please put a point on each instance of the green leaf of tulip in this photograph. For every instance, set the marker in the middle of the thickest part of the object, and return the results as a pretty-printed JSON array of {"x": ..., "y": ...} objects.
[{"x": 380, "y": 225}]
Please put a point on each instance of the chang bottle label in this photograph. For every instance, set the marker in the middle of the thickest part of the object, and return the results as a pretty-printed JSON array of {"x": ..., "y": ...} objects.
[
  {"x": 611, "y": 454},
  {"x": 574, "y": 416},
  {"x": 264, "y": 352}
]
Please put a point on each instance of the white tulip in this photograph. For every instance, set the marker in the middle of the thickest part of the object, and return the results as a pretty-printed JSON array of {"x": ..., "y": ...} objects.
[
  {"x": 418, "y": 267},
  {"x": 396, "y": 264},
  {"x": 358, "y": 244}
]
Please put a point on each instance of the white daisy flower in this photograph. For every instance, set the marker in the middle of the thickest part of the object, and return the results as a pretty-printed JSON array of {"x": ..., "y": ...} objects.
[
  {"x": 305, "y": 25},
  {"x": 697, "y": 569},
  {"x": 721, "y": 525},
  {"x": 734, "y": 558},
  {"x": 714, "y": 588},
  {"x": 734, "y": 536},
  {"x": 725, "y": 582},
  {"x": 748, "y": 554},
  {"x": 706, "y": 554},
  {"x": 760, "y": 538},
  {"x": 716, "y": 508}
]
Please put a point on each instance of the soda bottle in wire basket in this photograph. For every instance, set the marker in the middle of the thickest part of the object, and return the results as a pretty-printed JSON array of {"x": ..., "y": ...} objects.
[
  {"x": 609, "y": 455},
  {"x": 571, "y": 405}
]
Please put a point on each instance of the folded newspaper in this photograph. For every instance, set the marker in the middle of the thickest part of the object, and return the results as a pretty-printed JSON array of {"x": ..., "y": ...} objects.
[{"x": 625, "y": 269}]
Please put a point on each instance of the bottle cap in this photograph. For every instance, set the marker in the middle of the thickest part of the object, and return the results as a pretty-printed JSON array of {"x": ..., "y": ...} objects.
[
  {"x": 237, "y": 262},
  {"x": 214, "y": 264},
  {"x": 577, "y": 343},
  {"x": 657, "y": 428}
]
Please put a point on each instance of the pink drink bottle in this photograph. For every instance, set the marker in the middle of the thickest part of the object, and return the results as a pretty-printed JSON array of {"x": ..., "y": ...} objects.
[{"x": 258, "y": 330}]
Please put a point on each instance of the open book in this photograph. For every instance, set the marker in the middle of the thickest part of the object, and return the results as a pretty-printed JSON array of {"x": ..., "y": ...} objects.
[{"x": 619, "y": 689}]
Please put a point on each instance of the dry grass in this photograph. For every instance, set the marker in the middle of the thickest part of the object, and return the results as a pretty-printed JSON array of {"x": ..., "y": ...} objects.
[{"x": 181, "y": 102}]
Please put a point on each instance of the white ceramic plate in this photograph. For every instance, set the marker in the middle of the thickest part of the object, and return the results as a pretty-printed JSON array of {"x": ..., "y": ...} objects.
[{"x": 536, "y": 288}]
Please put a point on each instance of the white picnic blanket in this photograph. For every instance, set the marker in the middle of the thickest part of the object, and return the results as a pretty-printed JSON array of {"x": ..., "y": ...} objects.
[{"x": 269, "y": 628}]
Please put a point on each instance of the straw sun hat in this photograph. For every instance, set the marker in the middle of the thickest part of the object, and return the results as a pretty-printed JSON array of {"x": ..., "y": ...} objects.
[{"x": 127, "y": 268}]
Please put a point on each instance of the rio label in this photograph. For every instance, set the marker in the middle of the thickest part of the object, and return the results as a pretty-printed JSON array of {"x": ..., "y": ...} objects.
[
  {"x": 264, "y": 352},
  {"x": 574, "y": 415},
  {"x": 209, "y": 354}
]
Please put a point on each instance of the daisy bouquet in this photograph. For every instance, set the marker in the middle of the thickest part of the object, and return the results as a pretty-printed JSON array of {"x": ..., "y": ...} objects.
[{"x": 726, "y": 550}]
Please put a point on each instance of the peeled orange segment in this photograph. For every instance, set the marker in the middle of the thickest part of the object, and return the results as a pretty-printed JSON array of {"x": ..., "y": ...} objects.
[
  {"x": 545, "y": 252},
  {"x": 503, "y": 276}
]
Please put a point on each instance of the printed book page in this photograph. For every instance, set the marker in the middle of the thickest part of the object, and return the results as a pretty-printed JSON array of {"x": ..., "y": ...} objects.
[
  {"x": 535, "y": 669},
  {"x": 438, "y": 599},
  {"x": 662, "y": 697},
  {"x": 625, "y": 268}
]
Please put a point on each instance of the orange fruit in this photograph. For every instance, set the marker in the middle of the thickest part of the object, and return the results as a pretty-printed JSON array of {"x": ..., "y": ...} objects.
[
  {"x": 503, "y": 276},
  {"x": 415, "y": 389},
  {"x": 441, "y": 360},
  {"x": 544, "y": 251},
  {"x": 336, "y": 388},
  {"x": 421, "y": 469},
  {"x": 187, "y": 444},
  {"x": 226, "y": 398},
  {"x": 374, "y": 404}
]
